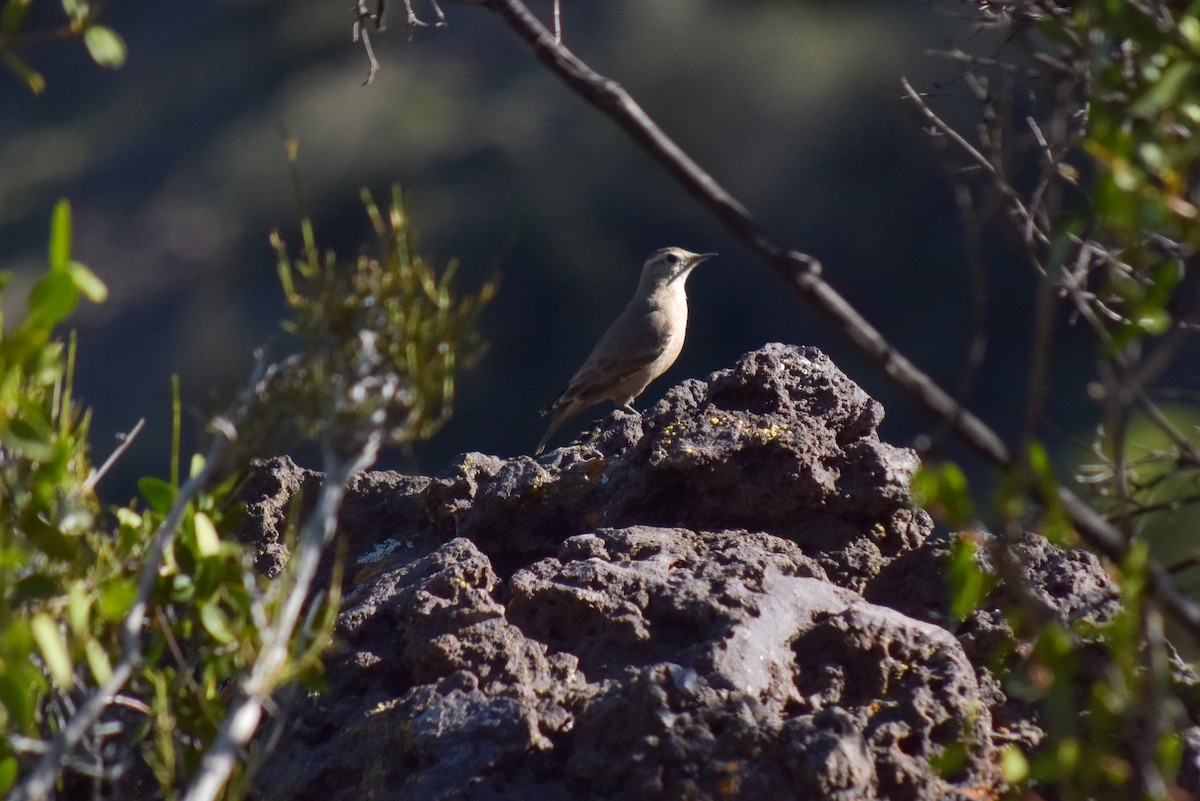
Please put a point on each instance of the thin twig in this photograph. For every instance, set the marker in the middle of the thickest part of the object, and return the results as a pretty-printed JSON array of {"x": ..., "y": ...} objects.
[
  {"x": 1045, "y": 204},
  {"x": 184, "y": 669},
  {"x": 983, "y": 161},
  {"x": 977, "y": 269},
  {"x": 1188, "y": 456},
  {"x": 38, "y": 38},
  {"x": 126, "y": 440}
]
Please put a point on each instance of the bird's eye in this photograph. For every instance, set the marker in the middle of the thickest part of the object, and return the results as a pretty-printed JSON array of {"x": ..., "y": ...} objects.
[{"x": 672, "y": 259}]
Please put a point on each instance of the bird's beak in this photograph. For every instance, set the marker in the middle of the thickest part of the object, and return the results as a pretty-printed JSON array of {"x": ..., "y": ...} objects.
[{"x": 681, "y": 273}]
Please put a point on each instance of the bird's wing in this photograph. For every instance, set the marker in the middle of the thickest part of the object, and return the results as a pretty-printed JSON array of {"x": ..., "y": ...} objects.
[
  {"x": 630, "y": 344},
  {"x": 599, "y": 375}
]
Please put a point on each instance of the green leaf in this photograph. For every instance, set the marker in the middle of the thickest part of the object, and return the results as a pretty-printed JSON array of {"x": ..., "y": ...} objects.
[
  {"x": 128, "y": 518},
  {"x": 941, "y": 489},
  {"x": 216, "y": 623},
  {"x": 22, "y": 440},
  {"x": 13, "y": 559},
  {"x": 208, "y": 542},
  {"x": 31, "y": 421},
  {"x": 87, "y": 282},
  {"x": 1155, "y": 322},
  {"x": 1013, "y": 764},
  {"x": 15, "y": 698},
  {"x": 54, "y": 650},
  {"x": 1189, "y": 29},
  {"x": 1165, "y": 91},
  {"x": 116, "y": 598},
  {"x": 208, "y": 576},
  {"x": 52, "y": 298},
  {"x": 98, "y": 661},
  {"x": 196, "y": 465},
  {"x": 79, "y": 607},
  {"x": 31, "y": 77},
  {"x": 1133, "y": 583},
  {"x": 8, "y": 774},
  {"x": 968, "y": 583},
  {"x": 952, "y": 761},
  {"x": 158, "y": 493},
  {"x": 36, "y": 586},
  {"x": 1042, "y": 470},
  {"x": 1170, "y": 753},
  {"x": 1039, "y": 461},
  {"x": 106, "y": 46},
  {"x": 51, "y": 542},
  {"x": 60, "y": 236},
  {"x": 10, "y": 20},
  {"x": 75, "y": 8},
  {"x": 15, "y": 642}
]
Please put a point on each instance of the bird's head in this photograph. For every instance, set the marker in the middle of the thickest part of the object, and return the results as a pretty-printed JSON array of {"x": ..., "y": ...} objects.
[{"x": 671, "y": 264}]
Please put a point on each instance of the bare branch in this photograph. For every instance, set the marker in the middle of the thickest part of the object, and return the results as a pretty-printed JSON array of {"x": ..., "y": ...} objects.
[
  {"x": 803, "y": 273},
  {"x": 126, "y": 440},
  {"x": 983, "y": 161}
]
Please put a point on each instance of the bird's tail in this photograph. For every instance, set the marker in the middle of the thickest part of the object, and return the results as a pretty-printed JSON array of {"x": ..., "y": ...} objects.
[
  {"x": 563, "y": 409},
  {"x": 555, "y": 424},
  {"x": 555, "y": 404}
]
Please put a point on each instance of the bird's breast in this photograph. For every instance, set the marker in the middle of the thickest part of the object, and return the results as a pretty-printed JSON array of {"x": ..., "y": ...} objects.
[{"x": 668, "y": 319}]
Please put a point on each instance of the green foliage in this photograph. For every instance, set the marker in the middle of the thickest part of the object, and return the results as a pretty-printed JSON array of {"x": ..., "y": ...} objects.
[
  {"x": 1110, "y": 115},
  {"x": 103, "y": 44},
  {"x": 67, "y": 580},
  {"x": 382, "y": 340},
  {"x": 205, "y": 605},
  {"x": 941, "y": 489},
  {"x": 1144, "y": 136},
  {"x": 1096, "y": 693},
  {"x": 1161, "y": 481},
  {"x": 48, "y": 512},
  {"x": 969, "y": 584},
  {"x": 380, "y": 347}
]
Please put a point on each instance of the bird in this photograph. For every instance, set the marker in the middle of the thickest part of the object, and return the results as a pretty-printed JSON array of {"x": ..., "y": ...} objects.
[{"x": 638, "y": 347}]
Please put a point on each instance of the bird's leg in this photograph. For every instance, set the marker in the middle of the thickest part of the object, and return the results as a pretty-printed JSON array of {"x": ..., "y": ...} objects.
[
  {"x": 628, "y": 407},
  {"x": 415, "y": 22},
  {"x": 364, "y": 15},
  {"x": 411, "y": 18},
  {"x": 441, "y": 18}
]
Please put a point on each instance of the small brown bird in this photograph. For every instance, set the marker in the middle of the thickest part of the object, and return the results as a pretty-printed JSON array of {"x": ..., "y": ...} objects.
[{"x": 640, "y": 344}]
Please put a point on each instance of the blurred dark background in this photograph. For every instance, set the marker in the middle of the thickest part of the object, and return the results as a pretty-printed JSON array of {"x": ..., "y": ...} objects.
[{"x": 176, "y": 169}]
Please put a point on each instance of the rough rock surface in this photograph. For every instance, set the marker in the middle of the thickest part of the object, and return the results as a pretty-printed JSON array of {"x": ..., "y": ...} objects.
[{"x": 730, "y": 596}]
